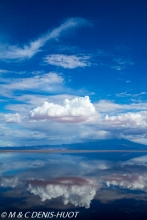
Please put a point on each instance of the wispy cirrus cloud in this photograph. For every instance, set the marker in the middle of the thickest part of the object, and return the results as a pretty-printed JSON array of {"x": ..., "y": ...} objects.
[
  {"x": 45, "y": 82},
  {"x": 11, "y": 52},
  {"x": 117, "y": 59},
  {"x": 126, "y": 94},
  {"x": 110, "y": 107},
  {"x": 4, "y": 71},
  {"x": 68, "y": 61}
]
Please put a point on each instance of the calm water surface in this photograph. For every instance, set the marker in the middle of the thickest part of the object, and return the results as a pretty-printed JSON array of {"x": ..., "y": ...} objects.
[{"x": 97, "y": 186}]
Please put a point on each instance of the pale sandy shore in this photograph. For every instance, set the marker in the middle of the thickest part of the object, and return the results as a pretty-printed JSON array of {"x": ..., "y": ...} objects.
[{"x": 73, "y": 151}]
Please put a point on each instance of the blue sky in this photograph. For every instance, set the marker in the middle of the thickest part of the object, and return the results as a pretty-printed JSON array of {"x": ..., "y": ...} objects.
[{"x": 72, "y": 71}]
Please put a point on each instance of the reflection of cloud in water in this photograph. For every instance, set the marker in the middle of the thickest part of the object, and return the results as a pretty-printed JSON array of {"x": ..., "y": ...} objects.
[
  {"x": 133, "y": 177},
  {"x": 95, "y": 165},
  {"x": 18, "y": 165},
  {"x": 118, "y": 180},
  {"x": 107, "y": 195},
  {"x": 9, "y": 182},
  {"x": 129, "y": 181},
  {"x": 74, "y": 190},
  {"x": 142, "y": 161}
]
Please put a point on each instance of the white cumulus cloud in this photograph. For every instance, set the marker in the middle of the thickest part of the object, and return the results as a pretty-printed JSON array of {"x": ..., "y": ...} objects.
[{"x": 76, "y": 110}]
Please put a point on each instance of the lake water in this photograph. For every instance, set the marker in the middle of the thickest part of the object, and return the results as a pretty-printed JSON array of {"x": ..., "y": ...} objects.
[{"x": 73, "y": 186}]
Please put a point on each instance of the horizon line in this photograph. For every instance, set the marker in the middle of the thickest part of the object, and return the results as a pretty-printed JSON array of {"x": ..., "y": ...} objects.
[{"x": 73, "y": 151}]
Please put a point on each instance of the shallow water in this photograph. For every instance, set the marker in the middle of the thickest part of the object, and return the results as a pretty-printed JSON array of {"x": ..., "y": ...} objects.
[{"x": 81, "y": 186}]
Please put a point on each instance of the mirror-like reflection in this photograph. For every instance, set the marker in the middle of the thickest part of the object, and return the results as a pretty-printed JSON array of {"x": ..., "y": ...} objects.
[
  {"x": 73, "y": 190},
  {"x": 94, "y": 184}
]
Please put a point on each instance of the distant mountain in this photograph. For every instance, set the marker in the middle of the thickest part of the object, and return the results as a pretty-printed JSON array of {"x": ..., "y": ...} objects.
[{"x": 111, "y": 144}]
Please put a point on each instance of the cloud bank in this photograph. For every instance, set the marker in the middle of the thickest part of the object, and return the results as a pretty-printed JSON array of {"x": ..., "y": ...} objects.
[
  {"x": 128, "y": 120},
  {"x": 90, "y": 121}
]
